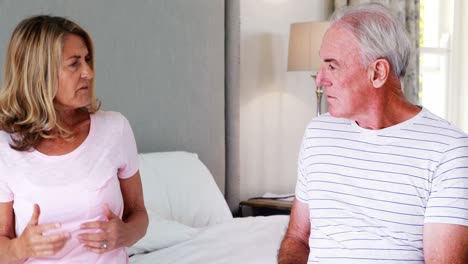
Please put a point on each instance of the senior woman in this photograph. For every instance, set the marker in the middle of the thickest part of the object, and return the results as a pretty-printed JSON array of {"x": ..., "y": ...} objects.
[{"x": 70, "y": 189}]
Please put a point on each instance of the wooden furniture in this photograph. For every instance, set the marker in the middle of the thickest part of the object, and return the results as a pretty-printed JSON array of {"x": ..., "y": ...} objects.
[{"x": 266, "y": 206}]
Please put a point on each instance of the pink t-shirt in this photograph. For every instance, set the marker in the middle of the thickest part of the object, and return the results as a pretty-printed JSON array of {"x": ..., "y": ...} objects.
[{"x": 72, "y": 188}]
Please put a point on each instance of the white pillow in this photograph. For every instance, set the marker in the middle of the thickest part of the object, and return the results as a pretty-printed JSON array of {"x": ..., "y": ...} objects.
[
  {"x": 179, "y": 187},
  {"x": 161, "y": 233}
]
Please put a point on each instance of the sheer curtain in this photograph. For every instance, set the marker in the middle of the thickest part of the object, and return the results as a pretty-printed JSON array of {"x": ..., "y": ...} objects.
[{"x": 408, "y": 12}]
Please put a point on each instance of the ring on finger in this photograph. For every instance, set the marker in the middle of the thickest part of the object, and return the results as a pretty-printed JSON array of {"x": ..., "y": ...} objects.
[{"x": 104, "y": 244}]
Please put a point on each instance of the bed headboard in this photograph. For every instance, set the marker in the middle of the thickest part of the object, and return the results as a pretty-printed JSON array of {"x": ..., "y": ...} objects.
[{"x": 160, "y": 63}]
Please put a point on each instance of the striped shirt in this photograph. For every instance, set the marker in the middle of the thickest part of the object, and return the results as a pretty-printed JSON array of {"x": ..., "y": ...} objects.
[{"x": 370, "y": 192}]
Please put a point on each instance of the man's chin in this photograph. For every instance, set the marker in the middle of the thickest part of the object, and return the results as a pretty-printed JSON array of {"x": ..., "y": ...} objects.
[
  {"x": 335, "y": 113},
  {"x": 332, "y": 112}
]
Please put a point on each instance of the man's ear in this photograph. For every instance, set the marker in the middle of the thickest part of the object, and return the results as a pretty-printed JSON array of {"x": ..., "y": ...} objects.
[{"x": 379, "y": 72}]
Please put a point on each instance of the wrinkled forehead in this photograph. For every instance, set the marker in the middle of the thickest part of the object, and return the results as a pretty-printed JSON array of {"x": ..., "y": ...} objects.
[{"x": 339, "y": 41}]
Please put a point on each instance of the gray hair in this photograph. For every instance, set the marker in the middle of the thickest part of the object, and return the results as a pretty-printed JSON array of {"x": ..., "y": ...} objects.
[{"x": 379, "y": 32}]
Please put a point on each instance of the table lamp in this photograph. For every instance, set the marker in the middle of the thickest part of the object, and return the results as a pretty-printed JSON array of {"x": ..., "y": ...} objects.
[{"x": 305, "y": 39}]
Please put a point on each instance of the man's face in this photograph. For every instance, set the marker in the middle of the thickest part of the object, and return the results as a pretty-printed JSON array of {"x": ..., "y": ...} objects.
[{"x": 346, "y": 80}]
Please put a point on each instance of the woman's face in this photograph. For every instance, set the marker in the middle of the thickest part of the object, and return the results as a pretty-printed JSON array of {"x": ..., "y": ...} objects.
[{"x": 75, "y": 75}]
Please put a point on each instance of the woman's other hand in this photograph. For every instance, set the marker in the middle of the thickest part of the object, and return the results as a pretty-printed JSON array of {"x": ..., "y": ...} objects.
[
  {"x": 113, "y": 233},
  {"x": 33, "y": 242}
]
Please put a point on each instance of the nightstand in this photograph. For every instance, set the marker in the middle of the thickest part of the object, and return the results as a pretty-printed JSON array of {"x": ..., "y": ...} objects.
[{"x": 266, "y": 206}]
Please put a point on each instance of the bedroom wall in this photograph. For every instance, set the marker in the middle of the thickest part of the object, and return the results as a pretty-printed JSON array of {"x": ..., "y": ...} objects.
[
  {"x": 159, "y": 62},
  {"x": 275, "y": 105}
]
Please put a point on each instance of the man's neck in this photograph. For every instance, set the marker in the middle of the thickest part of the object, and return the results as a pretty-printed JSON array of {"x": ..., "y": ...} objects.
[{"x": 387, "y": 110}]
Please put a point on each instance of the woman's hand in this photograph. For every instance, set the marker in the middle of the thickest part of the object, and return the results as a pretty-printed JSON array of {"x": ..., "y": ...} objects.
[
  {"x": 113, "y": 233},
  {"x": 116, "y": 233},
  {"x": 33, "y": 242}
]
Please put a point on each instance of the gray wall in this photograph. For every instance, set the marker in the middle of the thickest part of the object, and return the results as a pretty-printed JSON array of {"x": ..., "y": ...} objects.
[
  {"x": 232, "y": 82},
  {"x": 159, "y": 62}
]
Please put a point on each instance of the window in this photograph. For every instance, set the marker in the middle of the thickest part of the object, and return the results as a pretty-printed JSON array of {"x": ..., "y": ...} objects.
[{"x": 436, "y": 57}]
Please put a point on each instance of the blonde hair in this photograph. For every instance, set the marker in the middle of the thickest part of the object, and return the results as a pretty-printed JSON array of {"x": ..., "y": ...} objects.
[{"x": 32, "y": 67}]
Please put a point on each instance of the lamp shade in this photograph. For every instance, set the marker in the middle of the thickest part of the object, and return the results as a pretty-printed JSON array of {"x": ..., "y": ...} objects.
[{"x": 304, "y": 45}]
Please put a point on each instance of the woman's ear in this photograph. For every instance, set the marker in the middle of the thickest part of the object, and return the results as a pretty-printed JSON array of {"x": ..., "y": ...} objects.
[{"x": 379, "y": 72}]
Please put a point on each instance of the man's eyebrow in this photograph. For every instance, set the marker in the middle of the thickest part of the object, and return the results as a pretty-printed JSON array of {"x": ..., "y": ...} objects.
[{"x": 331, "y": 60}]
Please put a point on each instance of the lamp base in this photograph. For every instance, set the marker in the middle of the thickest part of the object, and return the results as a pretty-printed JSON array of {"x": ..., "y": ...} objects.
[{"x": 319, "y": 93}]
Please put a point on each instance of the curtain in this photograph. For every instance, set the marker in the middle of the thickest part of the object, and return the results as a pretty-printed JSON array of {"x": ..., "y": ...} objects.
[{"x": 408, "y": 13}]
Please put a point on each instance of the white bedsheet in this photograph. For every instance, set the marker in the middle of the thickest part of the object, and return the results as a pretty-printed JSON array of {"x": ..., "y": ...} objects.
[{"x": 241, "y": 241}]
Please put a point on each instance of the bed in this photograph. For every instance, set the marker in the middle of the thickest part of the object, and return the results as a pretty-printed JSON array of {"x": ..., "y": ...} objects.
[{"x": 190, "y": 221}]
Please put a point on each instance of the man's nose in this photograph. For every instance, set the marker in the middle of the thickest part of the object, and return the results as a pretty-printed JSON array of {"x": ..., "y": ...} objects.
[
  {"x": 319, "y": 79},
  {"x": 322, "y": 79}
]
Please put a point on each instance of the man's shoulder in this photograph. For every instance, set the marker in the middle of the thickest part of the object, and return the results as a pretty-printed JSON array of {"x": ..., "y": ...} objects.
[
  {"x": 327, "y": 118},
  {"x": 439, "y": 125},
  {"x": 327, "y": 121},
  {"x": 432, "y": 128}
]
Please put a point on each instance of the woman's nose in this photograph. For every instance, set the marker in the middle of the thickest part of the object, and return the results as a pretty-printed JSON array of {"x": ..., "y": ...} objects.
[{"x": 87, "y": 72}]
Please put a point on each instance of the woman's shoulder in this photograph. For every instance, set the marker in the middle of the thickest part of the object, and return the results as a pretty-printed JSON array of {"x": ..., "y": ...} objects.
[
  {"x": 5, "y": 142},
  {"x": 5, "y": 137},
  {"x": 109, "y": 119},
  {"x": 110, "y": 115}
]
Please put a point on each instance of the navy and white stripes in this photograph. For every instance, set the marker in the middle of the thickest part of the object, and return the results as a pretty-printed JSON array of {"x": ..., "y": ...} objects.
[{"x": 371, "y": 191}]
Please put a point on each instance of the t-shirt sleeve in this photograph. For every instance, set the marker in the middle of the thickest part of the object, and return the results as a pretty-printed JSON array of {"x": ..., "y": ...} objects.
[
  {"x": 301, "y": 183},
  {"x": 129, "y": 153},
  {"x": 6, "y": 195},
  {"x": 448, "y": 201}
]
